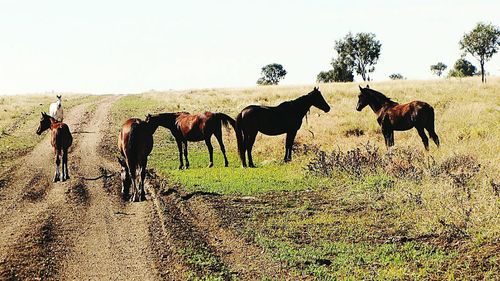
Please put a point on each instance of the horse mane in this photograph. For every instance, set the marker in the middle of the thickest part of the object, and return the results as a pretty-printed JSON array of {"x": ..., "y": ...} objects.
[
  {"x": 168, "y": 116},
  {"x": 379, "y": 96},
  {"x": 298, "y": 100}
]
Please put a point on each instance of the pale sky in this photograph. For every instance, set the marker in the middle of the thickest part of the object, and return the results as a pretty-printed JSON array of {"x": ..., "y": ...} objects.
[{"x": 98, "y": 46}]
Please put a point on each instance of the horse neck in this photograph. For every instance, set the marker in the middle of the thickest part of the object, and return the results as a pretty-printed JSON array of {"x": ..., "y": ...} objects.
[
  {"x": 166, "y": 120},
  {"x": 302, "y": 105},
  {"x": 378, "y": 105}
]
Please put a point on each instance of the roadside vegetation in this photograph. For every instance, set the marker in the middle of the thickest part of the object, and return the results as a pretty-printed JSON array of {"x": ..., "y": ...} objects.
[{"x": 345, "y": 207}]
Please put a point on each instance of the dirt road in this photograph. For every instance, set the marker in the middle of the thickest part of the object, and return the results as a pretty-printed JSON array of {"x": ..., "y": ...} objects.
[{"x": 80, "y": 229}]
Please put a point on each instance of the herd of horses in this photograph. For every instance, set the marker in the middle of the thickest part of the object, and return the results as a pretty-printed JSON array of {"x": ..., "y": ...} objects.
[{"x": 135, "y": 140}]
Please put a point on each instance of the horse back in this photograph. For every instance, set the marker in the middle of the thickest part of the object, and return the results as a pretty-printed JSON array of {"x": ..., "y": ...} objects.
[
  {"x": 61, "y": 137},
  {"x": 135, "y": 141},
  {"x": 192, "y": 127},
  {"x": 406, "y": 116},
  {"x": 269, "y": 120}
]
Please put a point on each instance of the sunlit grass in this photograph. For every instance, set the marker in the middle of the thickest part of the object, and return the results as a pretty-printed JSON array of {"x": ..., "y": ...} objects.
[{"x": 351, "y": 221}]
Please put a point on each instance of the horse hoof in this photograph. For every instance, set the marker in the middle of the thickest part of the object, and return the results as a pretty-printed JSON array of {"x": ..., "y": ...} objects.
[
  {"x": 226, "y": 165},
  {"x": 210, "y": 165}
]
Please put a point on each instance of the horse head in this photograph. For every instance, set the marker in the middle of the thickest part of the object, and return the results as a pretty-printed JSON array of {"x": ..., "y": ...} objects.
[
  {"x": 59, "y": 101},
  {"x": 45, "y": 123},
  {"x": 363, "y": 98},
  {"x": 318, "y": 100}
]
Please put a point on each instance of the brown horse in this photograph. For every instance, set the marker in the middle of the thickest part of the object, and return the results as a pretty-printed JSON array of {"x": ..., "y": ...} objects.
[
  {"x": 61, "y": 140},
  {"x": 135, "y": 143},
  {"x": 190, "y": 127},
  {"x": 392, "y": 116},
  {"x": 285, "y": 118}
]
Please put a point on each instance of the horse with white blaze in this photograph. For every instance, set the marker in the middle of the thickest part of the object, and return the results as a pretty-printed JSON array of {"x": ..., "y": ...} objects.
[{"x": 56, "y": 110}]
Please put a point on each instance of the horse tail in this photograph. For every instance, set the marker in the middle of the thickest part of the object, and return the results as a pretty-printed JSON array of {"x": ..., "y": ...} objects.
[
  {"x": 131, "y": 143},
  {"x": 430, "y": 127},
  {"x": 226, "y": 120},
  {"x": 239, "y": 138}
]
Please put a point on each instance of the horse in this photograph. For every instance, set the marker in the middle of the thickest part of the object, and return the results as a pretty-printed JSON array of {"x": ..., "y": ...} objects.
[
  {"x": 286, "y": 118},
  {"x": 392, "y": 116},
  {"x": 194, "y": 127},
  {"x": 61, "y": 140},
  {"x": 56, "y": 110},
  {"x": 135, "y": 143}
]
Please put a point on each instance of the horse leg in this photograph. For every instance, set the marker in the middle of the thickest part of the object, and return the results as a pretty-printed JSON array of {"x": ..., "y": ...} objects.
[
  {"x": 423, "y": 136},
  {"x": 290, "y": 137},
  {"x": 143, "y": 177},
  {"x": 210, "y": 151},
  {"x": 249, "y": 141},
  {"x": 58, "y": 162},
  {"x": 218, "y": 136},
  {"x": 432, "y": 133},
  {"x": 388, "y": 136},
  {"x": 186, "y": 154},
  {"x": 243, "y": 149},
  {"x": 133, "y": 177},
  {"x": 179, "y": 147},
  {"x": 64, "y": 169}
]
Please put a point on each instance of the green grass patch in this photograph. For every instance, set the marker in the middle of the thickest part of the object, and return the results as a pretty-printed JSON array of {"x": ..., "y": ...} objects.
[
  {"x": 332, "y": 260},
  {"x": 268, "y": 176},
  {"x": 208, "y": 267}
]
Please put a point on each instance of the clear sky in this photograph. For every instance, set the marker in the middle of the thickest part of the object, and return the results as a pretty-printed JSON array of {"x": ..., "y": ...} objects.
[{"x": 98, "y": 46}]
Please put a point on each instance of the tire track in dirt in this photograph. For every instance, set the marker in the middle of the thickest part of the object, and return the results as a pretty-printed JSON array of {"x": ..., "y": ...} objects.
[
  {"x": 32, "y": 173},
  {"x": 192, "y": 221},
  {"x": 31, "y": 206},
  {"x": 114, "y": 243}
]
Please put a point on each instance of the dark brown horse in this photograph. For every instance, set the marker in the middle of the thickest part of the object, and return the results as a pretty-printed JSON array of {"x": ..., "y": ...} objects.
[
  {"x": 135, "y": 143},
  {"x": 392, "y": 116},
  {"x": 190, "y": 127},
  {"x": 61, "y": 140},
  {"x": 285, "y": 118}
]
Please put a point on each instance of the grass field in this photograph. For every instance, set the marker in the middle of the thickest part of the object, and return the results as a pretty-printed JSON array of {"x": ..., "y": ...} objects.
[{"x": 344, "y": 207}]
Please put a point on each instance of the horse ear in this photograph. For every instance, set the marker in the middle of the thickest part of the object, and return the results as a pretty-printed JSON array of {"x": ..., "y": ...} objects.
[
  {"x": 59, "y": 96},
  {"x": 367, "y": 86},
  {"x": 361, "y": 89}
]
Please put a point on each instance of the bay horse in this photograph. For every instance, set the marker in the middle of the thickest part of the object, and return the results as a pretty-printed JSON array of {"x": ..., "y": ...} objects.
[
  {"x": 194, "y": 127},
  {"x": 135, "y": 143},
  {"x": 286, "y": 118},
  {"x": 56, "y": 110},
  {"x": 392, "y": 116},
  {"x": 61, "y": 140}
]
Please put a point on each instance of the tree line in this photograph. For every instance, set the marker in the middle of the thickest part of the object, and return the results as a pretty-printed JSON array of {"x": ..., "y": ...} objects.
[{"x": 359, "y": 53}]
